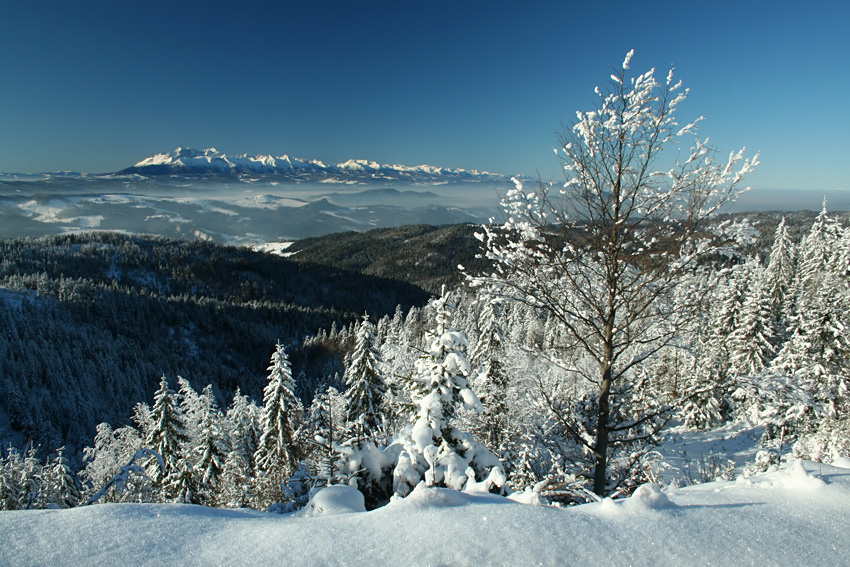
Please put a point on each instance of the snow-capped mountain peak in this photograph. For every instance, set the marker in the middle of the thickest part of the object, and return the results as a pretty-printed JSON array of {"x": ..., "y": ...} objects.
[{"x": 210, "y": 161}]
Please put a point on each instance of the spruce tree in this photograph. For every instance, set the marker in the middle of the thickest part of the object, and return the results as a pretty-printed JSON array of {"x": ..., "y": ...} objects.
[
  {"x": 278, "y": 453},
  {"x": 62, "y": 491},
  {"x": 210, "y": 446},
  {"x": 11, "y": 471},
  {"x": 817, "y": 346},
  {"x": 238, "y": 487},
  {"x": 780, "y": 276},
  {"x": 817, "y": 351},
  {"x": 752, "y": 341},
  {"x": 168, "y": 438},
  {"x": 365, "y": 388},
  {"x": 32, "y": 493},
  {"x": 326, "y": 423},
  {"x": 435, "y": 449},
  {"x": 491, "y": 381}
]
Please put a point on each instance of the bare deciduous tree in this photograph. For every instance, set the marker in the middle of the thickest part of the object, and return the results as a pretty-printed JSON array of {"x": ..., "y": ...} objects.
[{"x": 605, "y": 254}]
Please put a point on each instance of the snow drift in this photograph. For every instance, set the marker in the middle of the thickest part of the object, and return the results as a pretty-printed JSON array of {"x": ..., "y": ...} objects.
[{"x": 794, "y": 516}]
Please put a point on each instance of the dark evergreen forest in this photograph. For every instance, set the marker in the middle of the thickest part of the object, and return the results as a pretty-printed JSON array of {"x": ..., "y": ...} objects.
[
  {"x": 92, "y": 321},
  {"x": 425, "y": 255}
]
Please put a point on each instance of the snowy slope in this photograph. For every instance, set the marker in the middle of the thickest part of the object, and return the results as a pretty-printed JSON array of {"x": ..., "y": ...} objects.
[{"x": 797, "y": 516}]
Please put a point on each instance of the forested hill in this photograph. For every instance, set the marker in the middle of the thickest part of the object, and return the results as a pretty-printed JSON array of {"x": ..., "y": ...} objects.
[
  {"x": 90, "y": 322},
  {"x": 426, "y": 256}
]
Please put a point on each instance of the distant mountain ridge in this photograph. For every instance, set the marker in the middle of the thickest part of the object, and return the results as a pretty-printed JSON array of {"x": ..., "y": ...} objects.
[{"x": 210, "y": 161}]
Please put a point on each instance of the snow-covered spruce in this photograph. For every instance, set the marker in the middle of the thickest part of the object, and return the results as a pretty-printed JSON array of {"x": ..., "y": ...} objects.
[
  {"x": 278, "y": 451},
  {"x": 168, "y": 437},
  {"x": 365, "y": 392},
  {"x": 434, "y": 450}
]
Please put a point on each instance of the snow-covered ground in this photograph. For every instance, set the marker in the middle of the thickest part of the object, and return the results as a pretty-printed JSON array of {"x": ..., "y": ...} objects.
[
  {"x": 795, "y": 516},
  {"x": 686, "y": 453},
  {"x": 278, "y": 248}
]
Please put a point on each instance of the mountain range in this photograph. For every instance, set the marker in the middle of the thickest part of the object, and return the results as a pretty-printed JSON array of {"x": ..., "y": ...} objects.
[
  {"x": 244, "y": 199},
  {"x": 209, "y": 161}
]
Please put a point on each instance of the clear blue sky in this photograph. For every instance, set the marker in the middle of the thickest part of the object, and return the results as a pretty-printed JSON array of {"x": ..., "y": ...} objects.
[{"x": 96, "y": 86}]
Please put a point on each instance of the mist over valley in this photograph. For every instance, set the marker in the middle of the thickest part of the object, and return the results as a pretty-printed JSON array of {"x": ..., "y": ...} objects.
[{"x": 245, "y": 200}]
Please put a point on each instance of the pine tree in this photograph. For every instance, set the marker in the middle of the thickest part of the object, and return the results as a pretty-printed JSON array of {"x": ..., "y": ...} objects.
[
  {"x": 167, "y": 438},
  {"x": 365, "y": 388},
  {"x": 278, "y": 453},
  {"x": 752, "y": 341},
  {"x": 436, "y": 450},
  {"x": 62, "y": 491}
]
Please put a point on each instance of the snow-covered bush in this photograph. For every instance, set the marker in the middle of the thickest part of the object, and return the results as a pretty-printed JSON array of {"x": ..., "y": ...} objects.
[{"x": 828, "y": 443}]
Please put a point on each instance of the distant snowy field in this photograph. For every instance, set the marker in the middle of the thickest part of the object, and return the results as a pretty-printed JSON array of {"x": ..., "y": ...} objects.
[
  {"x": 277, "y": 248},
  {"x": 232, "y": 212},
  {"x": 795, "y": 516},
  {"x": 249, "y": 211}
]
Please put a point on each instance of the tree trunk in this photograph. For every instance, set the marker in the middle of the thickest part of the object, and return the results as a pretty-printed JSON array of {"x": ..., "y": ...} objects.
[{"x": 601, "y": 446}]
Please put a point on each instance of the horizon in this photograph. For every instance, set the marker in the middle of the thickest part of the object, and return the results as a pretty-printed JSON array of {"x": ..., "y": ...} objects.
[{"x": 98, "y": 87}]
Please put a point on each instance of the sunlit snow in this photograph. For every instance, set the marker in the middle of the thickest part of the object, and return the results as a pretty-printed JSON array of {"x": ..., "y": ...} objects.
[
  {"x": 794, "y": 516},
  {"x": 278, "y": 248}
]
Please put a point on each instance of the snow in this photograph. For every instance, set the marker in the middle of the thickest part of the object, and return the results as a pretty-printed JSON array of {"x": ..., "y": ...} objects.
[
  {"x": 211, "y": 159},
  {"x": 338, "y": 215},
  {"x": 86, "y": 222},
  {"x": 268, "y": 202},
  {"x": 341, "y": 181},
  {"x": 206, "y": 206},
  {"x": 277, "y": 248},
  {"x": 167, "y": 216},
  {"x": 332, "y": 500},
  {"x": 48, "y": 212},
  {"x": 684, "y": 450},
  {"x": 794, "y": 516}
]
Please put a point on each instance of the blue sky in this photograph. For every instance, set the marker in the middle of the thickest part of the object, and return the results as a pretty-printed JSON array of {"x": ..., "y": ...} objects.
[{"x": 96, "y": 86}]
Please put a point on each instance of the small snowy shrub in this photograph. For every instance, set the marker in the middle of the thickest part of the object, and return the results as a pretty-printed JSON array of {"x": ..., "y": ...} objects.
[
  {"x": 765, "y": 460},
  {"x": 709, "y": 468},
  {"x": 334, "y": 499}
]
